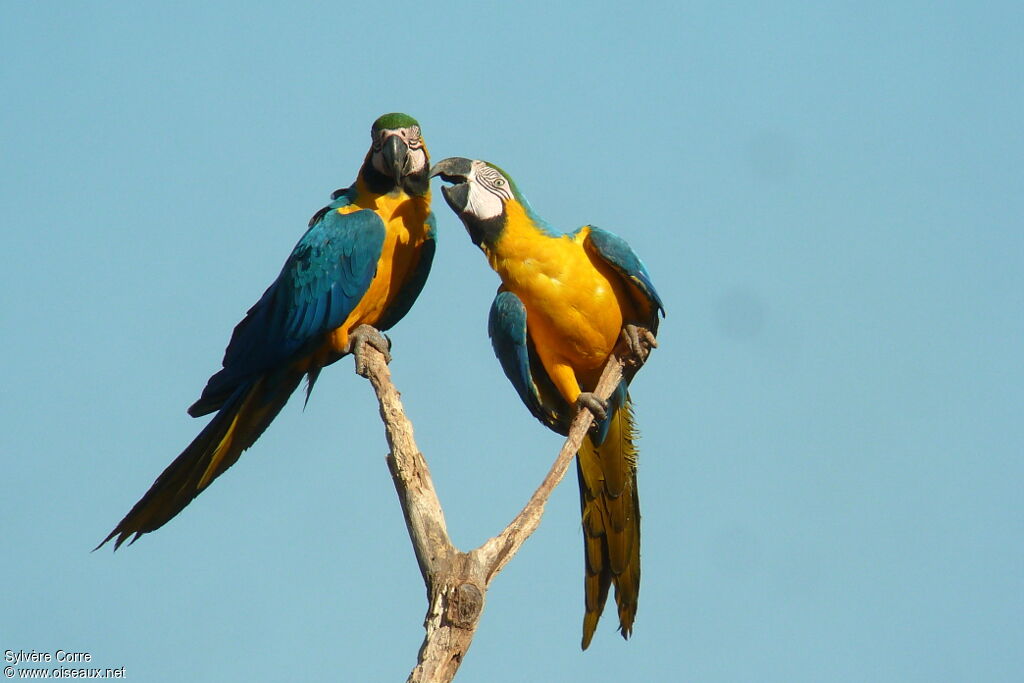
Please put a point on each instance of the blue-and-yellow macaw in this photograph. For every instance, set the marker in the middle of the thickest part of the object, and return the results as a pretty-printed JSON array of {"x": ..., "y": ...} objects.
[
  {"x": 564, "y": 302},
  {"x": 357, "y": 270}
]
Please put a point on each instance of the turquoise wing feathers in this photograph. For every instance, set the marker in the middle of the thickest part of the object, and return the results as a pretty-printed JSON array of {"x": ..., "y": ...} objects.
[
  {"x": 617, "y": 253},
  {"x": 507, "y": 329},
  {"x": 322, "y": 280}
]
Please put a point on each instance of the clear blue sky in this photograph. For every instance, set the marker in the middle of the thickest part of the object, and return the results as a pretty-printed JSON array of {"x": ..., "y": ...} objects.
[{"x": 829, "y": 197}]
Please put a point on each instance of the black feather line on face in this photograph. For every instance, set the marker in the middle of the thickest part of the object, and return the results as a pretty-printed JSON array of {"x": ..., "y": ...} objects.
[
  {"x": 376, "y": 182},
  {"x": 418, "y": 183},
  {"x": 484, "y": 231}
]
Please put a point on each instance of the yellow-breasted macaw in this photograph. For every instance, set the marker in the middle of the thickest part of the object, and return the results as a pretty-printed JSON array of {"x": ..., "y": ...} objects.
[
  {"x": 564, "y": 302},
  {"x": 357, "y": 270}
]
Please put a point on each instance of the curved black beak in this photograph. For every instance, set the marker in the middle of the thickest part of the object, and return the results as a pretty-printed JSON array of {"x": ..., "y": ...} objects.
[
  {"x": 454, "y": 170},
  {"x": 396, "y": 157}
]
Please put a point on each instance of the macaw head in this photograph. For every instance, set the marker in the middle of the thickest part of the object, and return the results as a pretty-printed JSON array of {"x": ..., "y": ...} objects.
[
  {"x": 479, "y": 194},
  {"x": 398, "y": 158}
]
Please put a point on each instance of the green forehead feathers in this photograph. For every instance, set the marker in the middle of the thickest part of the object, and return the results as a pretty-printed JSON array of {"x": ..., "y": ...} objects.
[{"x": 395, "y": 120}]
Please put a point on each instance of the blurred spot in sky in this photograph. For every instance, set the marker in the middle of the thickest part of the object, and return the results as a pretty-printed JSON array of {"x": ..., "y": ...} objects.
[
  {"x": 772, "y": 155},
  {"x": 740, "y": 313}
]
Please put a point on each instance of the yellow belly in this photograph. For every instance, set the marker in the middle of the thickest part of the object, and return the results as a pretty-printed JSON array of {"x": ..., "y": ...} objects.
[
  {"x": 404, "y": 220},
  {"x": 575, "y": 306},
  {"x": 572, "y": 311}
]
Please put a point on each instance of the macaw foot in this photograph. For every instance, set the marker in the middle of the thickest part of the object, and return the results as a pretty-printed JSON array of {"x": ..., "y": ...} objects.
[
  {"x": 598, "y": 407},
  {"x": 365, "y": 334},
  {"x": 639, "y": 342}
]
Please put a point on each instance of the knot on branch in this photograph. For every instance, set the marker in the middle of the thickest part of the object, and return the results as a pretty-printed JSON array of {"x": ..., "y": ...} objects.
[{"x": 465, "y": 602}]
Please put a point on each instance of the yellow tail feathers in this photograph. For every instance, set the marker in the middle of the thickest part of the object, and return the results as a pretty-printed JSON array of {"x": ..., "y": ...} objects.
[{"x": 610, "y": 506}]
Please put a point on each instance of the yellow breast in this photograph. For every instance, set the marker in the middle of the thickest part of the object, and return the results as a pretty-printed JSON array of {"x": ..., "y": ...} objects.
[
  {"x": 574, "y": 304},
  {"x": 404, "y": 219}
]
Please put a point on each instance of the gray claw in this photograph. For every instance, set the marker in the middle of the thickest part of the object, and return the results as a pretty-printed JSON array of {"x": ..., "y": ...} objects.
[
  {"x": 590, "y": 401},
  {"x": 639, "y": 342},
  {"x": 365, "y": 334}
]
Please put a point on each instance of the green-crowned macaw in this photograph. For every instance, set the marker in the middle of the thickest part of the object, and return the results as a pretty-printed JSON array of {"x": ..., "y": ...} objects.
[
  {"x": 564, "y": 302},
  {"x": 357, "y": 270}
]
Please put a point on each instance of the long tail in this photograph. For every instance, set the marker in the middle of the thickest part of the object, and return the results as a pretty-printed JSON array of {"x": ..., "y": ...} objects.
[
  {"x": 240, "y": 421},
  {"x": 611, "y": 522}
]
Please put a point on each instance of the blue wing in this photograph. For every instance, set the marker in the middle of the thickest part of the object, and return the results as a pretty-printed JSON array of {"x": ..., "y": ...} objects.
[
  {"x": 617, "y": 253},
  {"x": 407, "y": 296},
  {"x": 507, "y": 329},
  {"x": 326, "y": 275}
]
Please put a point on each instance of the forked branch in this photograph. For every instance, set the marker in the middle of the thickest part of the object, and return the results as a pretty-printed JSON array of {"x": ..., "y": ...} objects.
[{"x": 456, "y": 581}]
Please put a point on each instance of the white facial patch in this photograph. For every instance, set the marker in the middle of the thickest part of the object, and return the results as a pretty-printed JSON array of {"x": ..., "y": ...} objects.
[
  {"x": 417, "y": 158},
  {"x": 488, "y": 191}
]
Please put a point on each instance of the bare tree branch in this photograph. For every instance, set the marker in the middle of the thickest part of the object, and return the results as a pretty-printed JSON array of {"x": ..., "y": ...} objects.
[
  {"x": 423, "y": 514},
  {"x": 457, "y": 582},
  {"x": 497, "y": 551}
]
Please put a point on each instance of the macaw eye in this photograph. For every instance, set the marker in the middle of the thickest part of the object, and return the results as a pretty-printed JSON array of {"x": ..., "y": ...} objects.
[{"x": 499, "y": 183}]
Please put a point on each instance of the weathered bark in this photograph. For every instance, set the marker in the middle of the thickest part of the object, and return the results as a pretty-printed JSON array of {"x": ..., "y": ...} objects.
[{"x": 457, "y": 582}]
